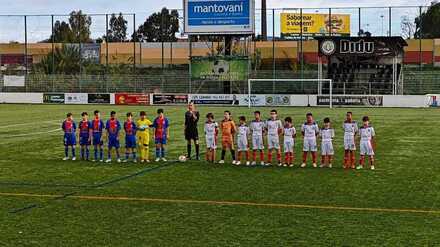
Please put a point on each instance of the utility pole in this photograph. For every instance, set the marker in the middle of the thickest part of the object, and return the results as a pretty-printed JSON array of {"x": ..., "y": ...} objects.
[{"x": 263, "y": 20}]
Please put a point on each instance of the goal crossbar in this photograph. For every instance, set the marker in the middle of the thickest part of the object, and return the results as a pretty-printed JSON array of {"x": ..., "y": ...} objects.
[{"x": 320, "y": 81}]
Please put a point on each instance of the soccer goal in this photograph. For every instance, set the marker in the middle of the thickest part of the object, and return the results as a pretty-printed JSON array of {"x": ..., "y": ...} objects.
[{"x": 320, "y": 87}]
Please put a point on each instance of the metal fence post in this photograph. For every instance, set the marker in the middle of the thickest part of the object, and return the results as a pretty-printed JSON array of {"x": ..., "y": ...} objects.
[
  {"x": 25, "y": 52},
  {"x": 53, "y": 55},
  {"x": 106, "y": 53},
  {"x": 273, "y": 50}
]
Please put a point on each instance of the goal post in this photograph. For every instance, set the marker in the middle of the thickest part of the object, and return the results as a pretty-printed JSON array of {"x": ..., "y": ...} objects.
[{"x": 317, "y": 87}]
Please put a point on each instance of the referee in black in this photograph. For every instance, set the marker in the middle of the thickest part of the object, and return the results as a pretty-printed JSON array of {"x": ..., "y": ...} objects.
[{"x": 191, "y": 133}]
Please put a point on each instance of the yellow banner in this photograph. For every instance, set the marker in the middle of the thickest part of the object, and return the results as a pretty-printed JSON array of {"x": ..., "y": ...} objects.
[{"x": 314, "y": 23}]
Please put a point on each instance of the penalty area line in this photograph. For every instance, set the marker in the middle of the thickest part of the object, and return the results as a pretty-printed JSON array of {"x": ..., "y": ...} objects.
[{"x": 224, "y": 203}]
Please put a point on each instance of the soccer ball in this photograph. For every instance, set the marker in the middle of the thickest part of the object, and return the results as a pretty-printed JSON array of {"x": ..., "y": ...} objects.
[{"x": 182, "y": 158}]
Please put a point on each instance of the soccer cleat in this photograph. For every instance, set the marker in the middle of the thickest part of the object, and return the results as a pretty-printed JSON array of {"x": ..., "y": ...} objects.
[
  {"x": 268, "y": 164},
  {"x": 280, "y": 164},
  {"x": 93, "y": 160},
  {"x": 329, "y": 165},
  {"x": 359, "y": 167},
  {"x": 253, "y": 163},
  {"x": 321, "y": 166},
  {"x": 108, "y": 161},
  {"x": 221, "y": 162},
  {"x": 147, "y": 161},
  {"x": 102, "y": 160},
  {"x": 303, "y": 165},
  {"x": 124, "y": 161},
  {"x": 135, "y": 161},
  {"x": 314, "y": 165},
  {"x": 248, "y": 163},
  {"x": 118, "y": 160},
  {"x": 237, "y": 163},
  {"x": 74, "y": 158},
  {"x": 157, "y": 160},
  {"x": 372, "y": 168},
  {"x": 142, "y": 161},
  {"x": 65, "y": 158},
  {"x": 164, "y": 160},
  {"x": 291, "y": 165},
  {"x": 262, "y": 163},
  {"x": 285, "y": 165}
]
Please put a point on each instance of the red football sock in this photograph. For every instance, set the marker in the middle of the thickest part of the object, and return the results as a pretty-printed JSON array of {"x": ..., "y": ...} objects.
[
  {"x": 314, "y": 157},
  {"x": 287, "y": 158},
  {"x": 254, "y": 155},
  {"x": 247, "y": 155},
  {"x": 304, "y": 157},
  {"x": 269, "y": 157},
  {"x": 261, "y": 155},
  {"x": 279, "y": 156}
]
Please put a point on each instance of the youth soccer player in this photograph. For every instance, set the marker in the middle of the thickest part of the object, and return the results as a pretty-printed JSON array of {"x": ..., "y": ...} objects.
[
  {"x": 211, "y": 132},
  {"x": 367, "y": 143},
  {"x": 327, "y": 134},
  {"x": 274, "y": 129},
  {"x": 310, "y": 131},
  {"x": 289, "y": 141},
  {"x": 85, "y": 129},
  {"x": 350, "y": 131},
  {"x": 113, "y": 126},
  {"x": 258, "y": 128},
  {"x": 130, "y": 137},
  {"x": 161, "y": 134},
  {"x": 97, "y": 126},
  {"x": 69, "y": 129},
  {"x": 143, "y": 136},
  {"x": 228, "y": 131},
  {"x": 242, "y": 141}
]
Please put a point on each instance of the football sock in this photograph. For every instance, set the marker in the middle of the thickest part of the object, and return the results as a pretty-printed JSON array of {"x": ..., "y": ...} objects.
[
  {"x": 163, "y": 152},
  {"x": 157, "y": 152},
  {"x": 286, "y": 158},
  {"x": 66, "y": 151},
  {"x": 239, "y": 156},
  {"x": 109, "y": 153},
  {"x": 101, "y": 153},
  {"x": 304, "y": 157},
  {"x": 261, "y": 155},
  {"x": 269, "y": 157},
  {"x": 197, "y": 150},
  {"x": 188, "y": 150},
  {"x": 117, "y": 153},
  {"x": 127, "y": 155},
  {"x": 223, "y": 154},
  {"x": 96, "y": 152},
  {"x": 233, "y": 154},
  {"x": 247, "y": 155},
  {"x": 254, "y": 155},
  {"x": 134, "y": 155},
  {"x": 314, "y": 157},
  {"x": 87, "y": 152},
  {"x": 279, "y": 157},
  {"x": 82, "y": 152},
  {"x": 73, "y": 151}
]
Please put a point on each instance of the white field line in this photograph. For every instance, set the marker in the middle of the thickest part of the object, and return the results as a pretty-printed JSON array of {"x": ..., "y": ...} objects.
[{"x": 29, "y": 123}]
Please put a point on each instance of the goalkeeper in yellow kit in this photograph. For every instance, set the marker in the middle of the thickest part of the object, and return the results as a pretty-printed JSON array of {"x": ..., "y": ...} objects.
[{"x": 143, "y": 136}]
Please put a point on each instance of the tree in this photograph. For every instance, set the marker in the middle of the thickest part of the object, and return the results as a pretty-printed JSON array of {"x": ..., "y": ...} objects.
[
  {"x": 118, "y": 29},
  {"x": 160, "y": 26},
  {"x": 80, "y": 26},
  {"x": 427, "y": 24},
  {"x": 61, "y": 33},
  {"x": 408, "y": 27},
  {"x": 64, "y": 60}
]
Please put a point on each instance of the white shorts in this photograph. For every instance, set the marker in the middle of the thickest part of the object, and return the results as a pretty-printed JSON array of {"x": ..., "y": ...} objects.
[
  {"x": 327, "y": 148},
  {"x": 242, "y": 144},
  {"x": 257, "y": 143},
  {"x": 288, "y": 145},
  {"x": 366, "y": 148},
  {"x": 211, "y": 143},
  {"x": 349, "y": 144},
  {"x": 273, "y": 142},
  {"x": 309, "y": 145}
]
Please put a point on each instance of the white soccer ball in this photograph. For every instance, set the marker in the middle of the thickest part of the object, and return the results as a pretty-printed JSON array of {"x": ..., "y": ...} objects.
[{"x": 182, "y": 158}]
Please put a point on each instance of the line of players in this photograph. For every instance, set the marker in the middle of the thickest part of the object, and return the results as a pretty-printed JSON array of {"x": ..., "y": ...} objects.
[
  {"x": 273, "y": 129},
  {"x": 137, "y": 136}
]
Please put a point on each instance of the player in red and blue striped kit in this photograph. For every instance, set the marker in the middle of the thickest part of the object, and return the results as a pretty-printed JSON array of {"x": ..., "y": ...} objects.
[
  {"x": 130, "y": 137},
  {"x": 113, "y": 126},
  {"x": 69, "y": 129},
  {"x": 85, "y": 129},
  {"x": 161, "y": 134},
  {"x": 97, "y": 126}
]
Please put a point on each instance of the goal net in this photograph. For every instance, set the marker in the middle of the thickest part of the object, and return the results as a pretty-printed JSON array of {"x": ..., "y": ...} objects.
[{"x": 319, "y": 87}]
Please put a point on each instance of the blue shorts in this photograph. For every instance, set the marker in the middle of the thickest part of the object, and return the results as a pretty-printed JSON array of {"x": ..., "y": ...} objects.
[
  {"x": 113, "y": 142},
  {"x": 160, "y": 140},
  {"x": 97, "y": 139},
  {"x": 69, "y": 139},
  {"x": 130, "y": 141},
  {"x": 84, "y": 140}
]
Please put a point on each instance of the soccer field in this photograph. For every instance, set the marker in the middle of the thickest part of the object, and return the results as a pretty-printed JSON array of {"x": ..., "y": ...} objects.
[{"x": 45, "y": 201}]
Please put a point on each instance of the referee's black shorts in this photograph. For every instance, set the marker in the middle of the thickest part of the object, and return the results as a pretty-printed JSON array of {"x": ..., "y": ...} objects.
[{"x": 191, "y": 134}]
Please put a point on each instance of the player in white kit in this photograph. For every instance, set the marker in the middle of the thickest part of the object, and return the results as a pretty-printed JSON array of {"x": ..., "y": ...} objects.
[
  {"x": 367, "y": 143},
  {"x": 211, "y": 132},
  {"x": 289, "y": 142},
  {"x": 274, "y": 128},
  {"x": 351, "y": 129},
  {"x": 242, "y": 141},
  {"x": 257, "y": 128},
  {"x": 327, "y": 134},
  {"x": 310, "y": 131}
]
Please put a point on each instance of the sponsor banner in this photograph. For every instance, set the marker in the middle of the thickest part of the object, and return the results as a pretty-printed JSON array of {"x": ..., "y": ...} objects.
[
  {"x": 219, "y": 16},
  {"x": 433, "y": 100},
  {"x": 170, "y": 99},
  {"x": 256, "y": 100},
  {"x": 98, "y": 98},
  {"x": 215, "y": 99},
  {"x": 53, "y": 98},
  {"x": 13, "y": 81},
  {"x": 91, "y": 52},
  {"x": 132, "y": 99},
  {"x": 219, "y": 69},
  {"x": 314, "y": 24},
  {"x": 21, "y": 98},
  {"x": 75, "y": 98},
  {"x": 278, "y": 100},
  {"x": 350, "y": 100}
]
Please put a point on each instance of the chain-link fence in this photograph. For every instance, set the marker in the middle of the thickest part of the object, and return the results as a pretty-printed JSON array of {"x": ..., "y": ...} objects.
[{"x": 119, "y": 52}]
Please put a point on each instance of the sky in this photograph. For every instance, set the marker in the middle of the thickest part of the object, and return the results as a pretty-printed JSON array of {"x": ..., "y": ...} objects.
[{"x": 39, "y": 27}]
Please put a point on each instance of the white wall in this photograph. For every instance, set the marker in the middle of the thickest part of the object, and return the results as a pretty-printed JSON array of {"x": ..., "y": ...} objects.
[
  {"x": 25, "y": 98},
  {"x": 404, "y": 101}
]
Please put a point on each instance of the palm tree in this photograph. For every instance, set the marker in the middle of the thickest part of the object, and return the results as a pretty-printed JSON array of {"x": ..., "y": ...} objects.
[{"x": 64, "y": 60}]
